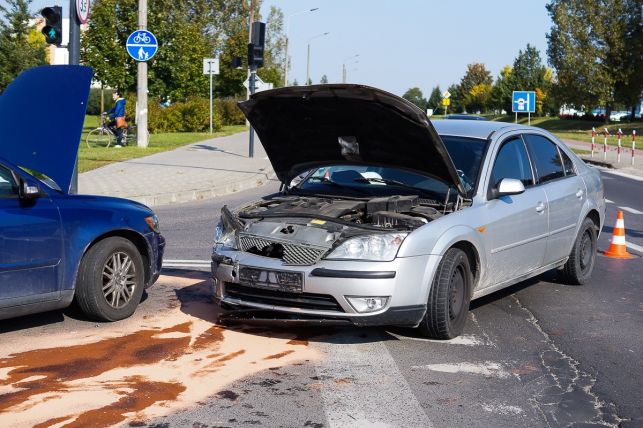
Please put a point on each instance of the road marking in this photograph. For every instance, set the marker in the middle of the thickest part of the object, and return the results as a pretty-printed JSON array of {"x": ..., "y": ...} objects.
[
  {"x": 631, "y": 210},
  {"x": 488, "y": 368},
  {"x": 186, "y": 263},
  {"x": 607, "y": 201},
  {"x": 466, "y": 340},
  {"x": 635, "y": 247},
  {"x": 361, "y": 385}
]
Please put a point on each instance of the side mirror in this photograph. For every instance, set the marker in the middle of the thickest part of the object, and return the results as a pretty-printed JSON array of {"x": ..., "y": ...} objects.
[
  {"x": 510, "y": 186},
  {"x": 28, "y": 190}
]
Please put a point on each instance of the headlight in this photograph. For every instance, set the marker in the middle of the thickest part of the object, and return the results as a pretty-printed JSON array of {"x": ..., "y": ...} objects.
[
  {"x": 224, "y": 237},
  {"x": 153, "y": 223},
  {"x": 382, "y": 247}
]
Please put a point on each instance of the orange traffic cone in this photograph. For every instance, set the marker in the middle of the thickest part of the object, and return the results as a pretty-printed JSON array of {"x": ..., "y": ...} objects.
[{"x": 617, "y": 249}]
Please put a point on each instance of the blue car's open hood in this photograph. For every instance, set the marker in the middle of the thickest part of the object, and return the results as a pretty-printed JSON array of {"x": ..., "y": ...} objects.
[{"x": 41, "y": 117}]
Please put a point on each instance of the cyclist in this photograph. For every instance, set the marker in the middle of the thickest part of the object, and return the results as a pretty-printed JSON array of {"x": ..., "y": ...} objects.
[{"x": 116, "y": 117}]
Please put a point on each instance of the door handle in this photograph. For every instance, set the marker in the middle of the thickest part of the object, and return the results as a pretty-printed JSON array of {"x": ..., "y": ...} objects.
[
  {"x": 579, "y": 194},
  {"x": 540, "y": 207}
]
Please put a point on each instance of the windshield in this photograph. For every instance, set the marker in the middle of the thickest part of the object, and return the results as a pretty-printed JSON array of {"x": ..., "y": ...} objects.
[{"x": 361, "y": 180}]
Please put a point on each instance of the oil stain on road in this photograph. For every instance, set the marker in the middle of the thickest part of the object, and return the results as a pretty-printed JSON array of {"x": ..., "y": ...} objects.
[{"x": 136, "y": 369}]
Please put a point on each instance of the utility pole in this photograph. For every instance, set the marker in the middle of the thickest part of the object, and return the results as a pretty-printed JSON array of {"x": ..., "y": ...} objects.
[
  {"x": 141, "y": 83},
  {"x": 74, "y": 59}
]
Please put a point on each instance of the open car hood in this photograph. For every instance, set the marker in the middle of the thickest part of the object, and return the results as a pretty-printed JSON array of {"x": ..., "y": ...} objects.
[
  {"x": 41, "y": 116},
  {"x": 303, "y": 127}
]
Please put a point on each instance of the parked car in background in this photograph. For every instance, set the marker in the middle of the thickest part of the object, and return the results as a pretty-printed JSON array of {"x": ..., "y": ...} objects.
[
  {"x": 617, "y": 116},
  {"x": 56, "y": 246},
  {"x": 399, "y": 220},
  {"x": 465, "y": 117}
]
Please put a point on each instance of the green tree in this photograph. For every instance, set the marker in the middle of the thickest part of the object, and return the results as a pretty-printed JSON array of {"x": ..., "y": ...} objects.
[
  {"x": 414, "y": 95},
  {"x": 595, "y": 49},
  {"x": 457, "y": 99},
  {"x": 324, "y": 79},
  {"x": 435, "y": 99},
  {"x": 20, "y": 46},
  {"x": 502, "y": 90},
  {"x": 528, "y": 72},
  {"x": 476, "y": 75}
]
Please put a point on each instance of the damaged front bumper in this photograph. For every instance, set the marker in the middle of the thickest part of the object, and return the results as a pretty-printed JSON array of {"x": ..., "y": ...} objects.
[{"x": 271, "y": 292}]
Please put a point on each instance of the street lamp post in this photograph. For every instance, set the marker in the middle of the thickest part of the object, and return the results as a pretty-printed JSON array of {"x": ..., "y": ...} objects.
[
  {"x": 308, "y": 55},
  {"x": 288, "y": 40},
  {"x": 344, "y": 66}
]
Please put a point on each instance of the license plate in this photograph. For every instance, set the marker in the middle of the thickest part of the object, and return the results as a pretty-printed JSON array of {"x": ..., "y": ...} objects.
[{"x": 269, "y": 279}]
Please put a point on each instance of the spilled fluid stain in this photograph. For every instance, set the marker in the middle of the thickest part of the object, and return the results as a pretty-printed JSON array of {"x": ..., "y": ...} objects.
[
  {"x": 279, "y": 355},
  {"x": 58, "y": 366},
  {"x": 127, "y": 375}
]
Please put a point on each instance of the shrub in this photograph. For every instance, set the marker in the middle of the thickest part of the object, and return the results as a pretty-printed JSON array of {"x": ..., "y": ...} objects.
[
  {"x": 93, "y": 103},
  {"x": 230, "y": 111}
]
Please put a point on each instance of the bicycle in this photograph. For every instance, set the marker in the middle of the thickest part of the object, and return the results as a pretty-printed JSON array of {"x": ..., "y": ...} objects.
[
  {"x": 142, "y": 37},
  {"x": 103, "y": 135}
]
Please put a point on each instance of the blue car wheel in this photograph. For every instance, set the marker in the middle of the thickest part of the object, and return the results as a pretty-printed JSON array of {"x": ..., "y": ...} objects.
[{"x": 110, "y": 280}]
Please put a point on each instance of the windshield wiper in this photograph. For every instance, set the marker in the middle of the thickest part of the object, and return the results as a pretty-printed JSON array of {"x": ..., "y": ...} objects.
[{"x": 397, "y": 183}]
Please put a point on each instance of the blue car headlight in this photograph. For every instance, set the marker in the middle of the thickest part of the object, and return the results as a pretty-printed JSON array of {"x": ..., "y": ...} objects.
[{"x": 381, "y": 247}]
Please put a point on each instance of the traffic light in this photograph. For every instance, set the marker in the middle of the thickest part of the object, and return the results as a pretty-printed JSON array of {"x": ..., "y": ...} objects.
[
  {"x": 53, "y": 29},
  {"x": 236, "y": 62},
  {"x": 256, "y": 45}
]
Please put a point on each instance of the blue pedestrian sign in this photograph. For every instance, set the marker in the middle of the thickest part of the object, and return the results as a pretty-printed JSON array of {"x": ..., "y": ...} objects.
[
  {"x": 523, "y": 102},
  {"x": 142, "y": 45}
]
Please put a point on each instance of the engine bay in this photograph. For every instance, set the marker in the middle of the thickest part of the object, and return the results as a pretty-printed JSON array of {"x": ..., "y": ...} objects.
[{"x": 392, "y": 212}]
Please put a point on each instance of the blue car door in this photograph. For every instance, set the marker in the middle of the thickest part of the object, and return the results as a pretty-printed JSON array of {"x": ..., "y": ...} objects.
[{"x": 31, "y": 247}]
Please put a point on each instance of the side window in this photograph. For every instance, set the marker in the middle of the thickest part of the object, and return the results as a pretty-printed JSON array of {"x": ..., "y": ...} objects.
[
  {"x": 8, "y": 188},
  {"x": 546, "y": 158},
  {"x": 568, "y": 165},
  {"x": 512, "y": 161}
]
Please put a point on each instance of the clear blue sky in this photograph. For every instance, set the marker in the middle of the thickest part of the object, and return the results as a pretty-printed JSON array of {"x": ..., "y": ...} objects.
[
  {"x": 405, "y": 43},
  {"x": 408, "y": 43}
]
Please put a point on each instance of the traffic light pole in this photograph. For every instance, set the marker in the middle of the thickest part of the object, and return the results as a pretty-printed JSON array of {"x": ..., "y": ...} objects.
[
  {"x": 74, "y": 59},
  {"x": 251, "y": 85}
]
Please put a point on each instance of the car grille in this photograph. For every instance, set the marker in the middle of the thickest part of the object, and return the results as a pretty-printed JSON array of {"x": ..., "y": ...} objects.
[
  {"x": 318, "y": 302},
  {"x": 293, "y": 254}
]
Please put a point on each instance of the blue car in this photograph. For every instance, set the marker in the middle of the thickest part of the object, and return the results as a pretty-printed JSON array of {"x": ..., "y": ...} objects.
[{"x": 55, "y": 246}]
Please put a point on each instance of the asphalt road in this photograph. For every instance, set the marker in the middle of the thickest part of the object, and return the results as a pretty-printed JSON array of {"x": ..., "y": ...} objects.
[
  {"x": 537, "y": 354},
  {"x": 540, "y": 353}
]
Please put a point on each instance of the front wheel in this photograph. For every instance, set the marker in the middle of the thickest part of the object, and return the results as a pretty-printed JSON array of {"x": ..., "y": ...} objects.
[
  {"x": 448, "y": 303},
  {"x": 579, "y": 266},
  {"x": 110, "y": 280},
  {"x": 99, "y": 137}
]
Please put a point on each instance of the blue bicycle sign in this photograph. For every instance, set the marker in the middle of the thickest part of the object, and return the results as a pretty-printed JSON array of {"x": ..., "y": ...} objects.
[{"x": 141, "y": 45}]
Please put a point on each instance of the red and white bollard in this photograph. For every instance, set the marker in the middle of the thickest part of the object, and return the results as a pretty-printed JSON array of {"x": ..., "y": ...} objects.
[
  {"x": 606, "y": 134},
  {"x": 619, "y": 134},
  {"x": 593, "y": 139},
  {"x": 633, "y": 145}
]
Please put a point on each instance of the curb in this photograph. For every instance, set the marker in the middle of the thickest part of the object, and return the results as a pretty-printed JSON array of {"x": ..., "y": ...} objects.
[
  {"x": 255, "y": 181},
  {"x": 604, "y": 164}
]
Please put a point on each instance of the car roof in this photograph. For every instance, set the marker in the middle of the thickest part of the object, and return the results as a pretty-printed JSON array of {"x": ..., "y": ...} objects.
[{"x": 473, "y": 128}]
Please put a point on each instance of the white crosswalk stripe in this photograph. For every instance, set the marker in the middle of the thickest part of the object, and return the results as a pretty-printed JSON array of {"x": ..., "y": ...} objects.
[
  {"x": 186, "y": 263},
  {"x": 634, "y": 247},
  {"x": 361, "y": 386},
  {"x": 607, "y": 201}
]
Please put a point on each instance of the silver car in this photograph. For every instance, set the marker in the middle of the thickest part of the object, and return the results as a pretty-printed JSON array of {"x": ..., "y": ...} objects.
[{"x": 385, "y": 218}]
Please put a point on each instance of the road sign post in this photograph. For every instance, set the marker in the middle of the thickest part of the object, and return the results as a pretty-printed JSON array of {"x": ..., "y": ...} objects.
[
  {"x": 142, "y": 46},
  {"x": 523, "y": 102},
  {"x": 210, "y": 66},
  {"x": 446, "y": 101}
]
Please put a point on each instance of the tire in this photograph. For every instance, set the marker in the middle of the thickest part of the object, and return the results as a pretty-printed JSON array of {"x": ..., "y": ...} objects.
[
  {"x": 579, "y": 266},
  {"x": 449, "y": 297},
  {"x": 111, "y": 259},
  {"x": 98, "y": 137}
]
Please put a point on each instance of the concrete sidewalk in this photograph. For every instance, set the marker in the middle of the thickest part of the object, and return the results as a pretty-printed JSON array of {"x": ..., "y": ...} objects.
[
  {"x": 203, "y": 170},
  {"x": 609, "y": 159}
]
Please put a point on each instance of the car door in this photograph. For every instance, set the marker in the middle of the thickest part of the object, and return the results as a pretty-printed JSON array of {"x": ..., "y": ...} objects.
[
  {"x": 31, "y": 247},
  {"x": 515, "y": 230},
  {"x": 565, "y": 193}
]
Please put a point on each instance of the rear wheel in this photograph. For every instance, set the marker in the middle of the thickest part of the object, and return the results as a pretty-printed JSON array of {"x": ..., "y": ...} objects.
[
  {"x": 110, "y": 280},
  {"x": 579, "y": 267},
  {"x": 448, "y": 303},
  {"x": 99, "y": 137}
]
